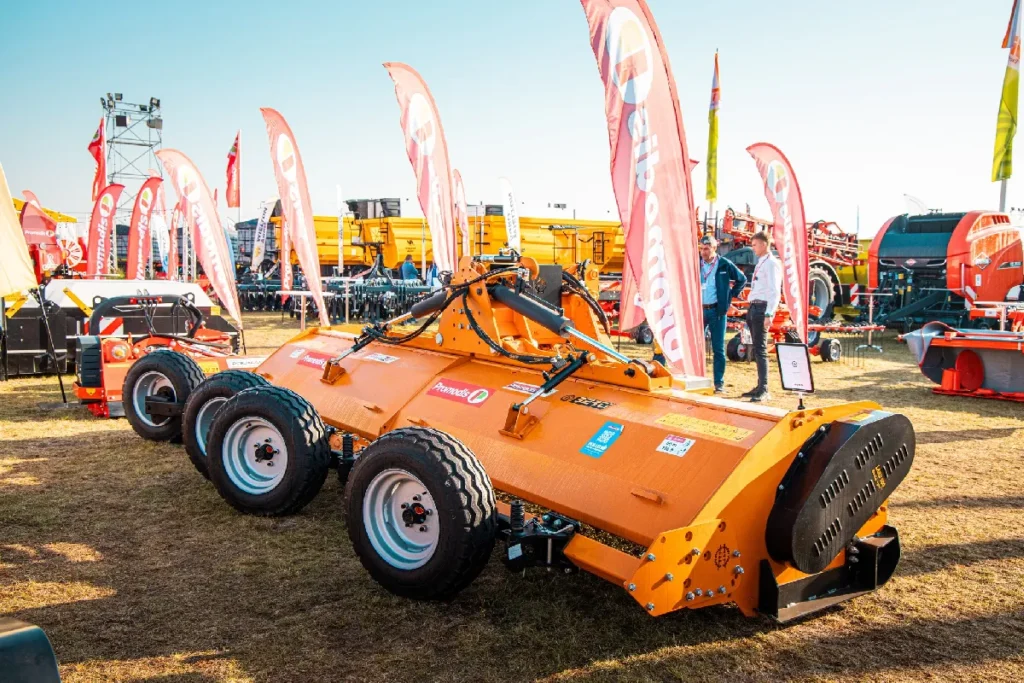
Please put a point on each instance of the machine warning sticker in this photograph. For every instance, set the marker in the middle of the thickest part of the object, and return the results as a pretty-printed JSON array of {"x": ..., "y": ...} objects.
[
  {"x": 380, "y": 358},
  {"x": 603, "y": 440},
  {"x": 209, "y": 367},
  {"x": 675, "y": 445},
  {"x": 588, "y": 402},
  {"x": 243, "y": 363},
  {"x": 315, "y": 360},
  {"x": 297, "y": 353},
  {"x": 460, "y": 392},
  {"x": 524, "y": 388},
  {"x": 698, "y": 426}
]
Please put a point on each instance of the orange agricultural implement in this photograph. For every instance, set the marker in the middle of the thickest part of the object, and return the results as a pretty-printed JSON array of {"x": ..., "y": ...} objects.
[
  {"x": 105, "y": 358},
  {"x": 978, "y": 363},
  {"x": 682, "y": 499}
]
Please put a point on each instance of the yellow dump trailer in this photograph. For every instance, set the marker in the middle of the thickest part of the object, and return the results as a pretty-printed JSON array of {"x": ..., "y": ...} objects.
[{"x": 548, "y": 240}]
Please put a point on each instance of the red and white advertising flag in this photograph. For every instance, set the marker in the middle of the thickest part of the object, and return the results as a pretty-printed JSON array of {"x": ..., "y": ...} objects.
[
  {"x": 650, "y": 175},
  {"x": 790, "y": 230},
  {"x": 140, "y": 240},
  {"x": 428, "y": 153},
  {"x": 461, "y": 213},
  {"x": 232, "y": 194},
  {"x": 172, "y": 239},
  {"x": 101, "y": 231},
  {"x": 212, "y": 249},
  {"x": 286, "y": 258},
  {"x": 41, "y": 236},
  {"x": 98, "y": 149},
  {"x": 296, "y": 208}
]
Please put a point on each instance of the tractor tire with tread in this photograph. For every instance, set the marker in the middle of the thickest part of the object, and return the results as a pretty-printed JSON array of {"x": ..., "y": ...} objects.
[
  {"x": 466, "y": 511},
  {"x": 218, "y": 388},
  {"x": 308, "y": 454},
  {"x": 183, "y": 375},
  {"x": 831, "y": 350},
  {"x": 736, "y": 350},
  {"x": 821, "y": 290}
]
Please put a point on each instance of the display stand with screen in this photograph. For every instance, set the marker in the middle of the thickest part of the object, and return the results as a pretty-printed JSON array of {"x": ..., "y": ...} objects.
[{"x": 795, "y": 369}]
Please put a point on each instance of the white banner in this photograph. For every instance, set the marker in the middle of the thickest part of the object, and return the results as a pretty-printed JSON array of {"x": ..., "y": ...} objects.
[
  {"x": 511, "y": 211},
  {"x": 259, "y": 241}
]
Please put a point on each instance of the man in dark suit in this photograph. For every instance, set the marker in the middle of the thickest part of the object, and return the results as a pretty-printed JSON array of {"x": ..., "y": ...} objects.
[{"x": 720, "y": 282}]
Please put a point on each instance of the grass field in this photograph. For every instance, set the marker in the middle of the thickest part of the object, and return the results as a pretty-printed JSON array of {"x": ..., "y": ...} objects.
[{"x": 139, "y": 572}]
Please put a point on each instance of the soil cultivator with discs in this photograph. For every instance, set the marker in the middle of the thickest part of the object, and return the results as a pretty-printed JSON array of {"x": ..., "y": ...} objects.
[{"x": 682, "y": 499}]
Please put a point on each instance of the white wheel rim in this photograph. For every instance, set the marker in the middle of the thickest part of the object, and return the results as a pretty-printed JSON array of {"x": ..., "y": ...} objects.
[
  {"x": 152, "y": 383},
  {"x": 402, "y": 535},
  {"x": 204, "y": 418},
  {"x": 254, "y": 455}
]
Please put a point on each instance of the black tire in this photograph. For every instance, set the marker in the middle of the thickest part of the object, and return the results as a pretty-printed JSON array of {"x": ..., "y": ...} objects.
[
  {"x": 735, "y": 350},
  {"x": 466, "y": 512},
  {"x": 643, "y": 334},
  {"x": 821, "y": 291},
  {"x": 831, "y": 350},
  {"x": 202, "y": 406},
  {"x": 90, "y": 362},
  {"x": 180, "y": 375},
  {"x": 303, "y": 435}
]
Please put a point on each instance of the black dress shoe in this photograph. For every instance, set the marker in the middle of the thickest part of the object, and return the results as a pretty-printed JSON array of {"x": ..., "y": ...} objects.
[{"x": 749, "y": 394}]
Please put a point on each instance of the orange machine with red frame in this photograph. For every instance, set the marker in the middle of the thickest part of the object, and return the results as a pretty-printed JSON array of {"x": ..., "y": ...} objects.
[
  {"x": 978, "y": 363},
  {"x": 104, "y": 361},
  {"x": 711, "y": 501}
]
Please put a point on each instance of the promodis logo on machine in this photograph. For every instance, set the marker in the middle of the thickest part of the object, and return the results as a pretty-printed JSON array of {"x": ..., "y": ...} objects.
[
  {"x": 314, "y": 359},
  {"x": 460, "y": 392}
]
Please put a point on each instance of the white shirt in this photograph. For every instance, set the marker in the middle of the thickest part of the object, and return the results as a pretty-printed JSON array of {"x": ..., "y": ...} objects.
[{"x": 767, "y": 283}]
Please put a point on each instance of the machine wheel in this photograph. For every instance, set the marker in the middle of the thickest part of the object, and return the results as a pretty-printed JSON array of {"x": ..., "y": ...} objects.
[
  {"x": 735, "y": 350},
  {"x": 421, "y": 513},
  {"x": 821, "y": 291},
  {"x": 203, "y": 405},
  {"x": 269, "y": 452},
  {"x": 643, "y": 334},
  {"x": 831, "y": 350},
  {"x": 165, "y": 373}
]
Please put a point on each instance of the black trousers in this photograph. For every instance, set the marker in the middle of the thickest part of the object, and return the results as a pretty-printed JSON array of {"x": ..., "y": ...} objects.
[{"x": 758, "y": 322}]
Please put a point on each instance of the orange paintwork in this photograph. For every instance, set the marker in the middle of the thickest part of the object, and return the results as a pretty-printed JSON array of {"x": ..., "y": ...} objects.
[{"x": 716, "y": 493}]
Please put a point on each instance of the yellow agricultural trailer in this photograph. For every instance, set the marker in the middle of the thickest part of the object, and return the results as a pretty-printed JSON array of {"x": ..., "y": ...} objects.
[{"x": 548, "y": 240}]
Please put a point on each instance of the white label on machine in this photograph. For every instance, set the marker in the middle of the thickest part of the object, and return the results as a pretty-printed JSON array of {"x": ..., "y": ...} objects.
[
  {"x": 977, "y": 280},
  {"x": 795, "y": 367},
  {"x": 675, "y": 445},
  {"x": 243, "y": 363},
  {"x": 515, "y": 551},
  {"x": 381, "y": 358}
]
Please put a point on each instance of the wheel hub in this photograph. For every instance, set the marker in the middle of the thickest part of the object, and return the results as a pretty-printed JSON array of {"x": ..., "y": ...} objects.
[
  {"x": 400, "y": 519},
  {"x": 254, "y": 455}
]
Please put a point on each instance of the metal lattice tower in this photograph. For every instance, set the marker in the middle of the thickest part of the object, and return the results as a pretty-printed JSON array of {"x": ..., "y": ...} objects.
[{"x": 134, "y": 134}]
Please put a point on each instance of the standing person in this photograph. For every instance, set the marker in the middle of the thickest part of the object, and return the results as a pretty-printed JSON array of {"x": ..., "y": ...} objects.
[
  {"x": 409, "y": 271},
  {"x": 430, "y": 277},
  {"x": 765, "y": 293},
  {"x": 720, "y": 282}
]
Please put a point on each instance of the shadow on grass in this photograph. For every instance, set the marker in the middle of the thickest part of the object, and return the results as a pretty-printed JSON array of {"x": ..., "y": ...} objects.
[
  {"x": 970, "y": 503},
  {"x": 935, "y": 558},
  {"x": 967, "y": 435}
]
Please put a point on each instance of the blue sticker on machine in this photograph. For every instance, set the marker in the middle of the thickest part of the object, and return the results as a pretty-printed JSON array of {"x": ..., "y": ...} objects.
[{"x": 603, "y": 440}]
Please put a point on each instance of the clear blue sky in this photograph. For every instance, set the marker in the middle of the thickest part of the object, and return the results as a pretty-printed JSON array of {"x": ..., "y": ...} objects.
[{"x": 869, "y": 99}]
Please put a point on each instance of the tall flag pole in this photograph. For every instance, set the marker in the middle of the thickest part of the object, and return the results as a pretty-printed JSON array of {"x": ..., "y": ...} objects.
[
  {"x": 1006, "y": 123},
  {"x": 98, "y": 149},
  {"x": 712, "y": 182}
]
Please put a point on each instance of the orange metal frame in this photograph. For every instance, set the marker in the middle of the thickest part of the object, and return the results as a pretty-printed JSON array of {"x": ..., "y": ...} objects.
[{"x": 701, "y": 515}]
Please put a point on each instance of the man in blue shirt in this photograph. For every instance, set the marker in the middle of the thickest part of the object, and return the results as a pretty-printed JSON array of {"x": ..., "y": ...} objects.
[
  {"x": 720, "y": 282},
  {"x": 409, "y": 271}
]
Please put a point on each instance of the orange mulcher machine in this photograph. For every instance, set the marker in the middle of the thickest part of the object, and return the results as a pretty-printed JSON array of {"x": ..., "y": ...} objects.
[{"x": 609, "y": 464}]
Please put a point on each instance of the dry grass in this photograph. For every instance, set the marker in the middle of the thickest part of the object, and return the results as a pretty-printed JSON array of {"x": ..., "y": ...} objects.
[{"x": 138, "y": 571}]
